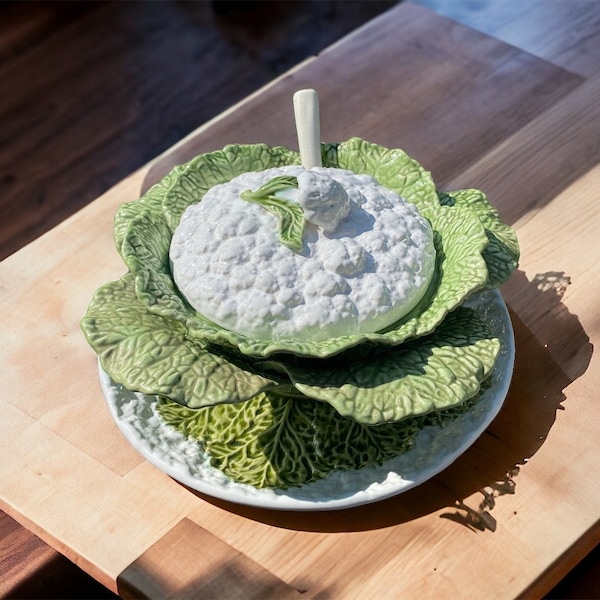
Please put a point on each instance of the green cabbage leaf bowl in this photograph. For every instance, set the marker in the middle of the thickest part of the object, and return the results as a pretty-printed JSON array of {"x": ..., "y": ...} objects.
[{"x": 432, "y": 361}]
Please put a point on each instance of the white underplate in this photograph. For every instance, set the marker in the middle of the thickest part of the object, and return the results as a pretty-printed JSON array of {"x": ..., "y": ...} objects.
[{"x": 435, "y": 448}]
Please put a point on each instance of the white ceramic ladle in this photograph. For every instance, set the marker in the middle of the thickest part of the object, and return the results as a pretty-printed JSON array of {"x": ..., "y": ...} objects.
[{"x": 308, "y": 127}]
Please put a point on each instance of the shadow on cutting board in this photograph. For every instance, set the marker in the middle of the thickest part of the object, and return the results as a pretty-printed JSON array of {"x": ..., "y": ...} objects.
[{"x": 492, "y": 465}]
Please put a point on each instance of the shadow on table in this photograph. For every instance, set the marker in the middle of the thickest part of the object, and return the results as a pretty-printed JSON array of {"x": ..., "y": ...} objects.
[
  {"x": 491, "y": 466},
  {"x": 190, "y": 562},
  {"x": 59, "y": 579}
]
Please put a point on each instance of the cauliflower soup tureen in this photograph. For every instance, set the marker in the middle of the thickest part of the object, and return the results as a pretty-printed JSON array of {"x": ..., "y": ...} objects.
[
  {"x": 300, "y": 314},
  {"x": 363, "y": 260}
]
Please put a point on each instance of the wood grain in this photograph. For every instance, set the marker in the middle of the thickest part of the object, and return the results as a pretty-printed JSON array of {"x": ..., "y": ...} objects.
[
  {"x": 566, "y": 34},
  {"x": 198, "y": 562},
  {"x": 21, "y": 555},
  {"x": 569, "y": 152},
  {"x": 467, "y": 101},
  {"x": 62, "y": 144},
  {"x": 30, "y": 568},
  {"x": 94, "y": 90}
]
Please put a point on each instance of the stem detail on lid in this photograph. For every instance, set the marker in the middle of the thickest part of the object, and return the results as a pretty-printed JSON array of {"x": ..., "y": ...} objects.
[{"x": 308, "y": 127}]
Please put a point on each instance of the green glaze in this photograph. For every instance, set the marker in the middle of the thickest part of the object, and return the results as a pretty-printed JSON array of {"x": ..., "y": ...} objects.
[
  {"x": 289, "y": 214},
  {"x": 274, "y": 441},
  {"x": 432, "y": 361}
]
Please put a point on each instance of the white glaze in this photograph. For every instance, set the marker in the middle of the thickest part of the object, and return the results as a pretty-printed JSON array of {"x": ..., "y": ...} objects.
[
  {"x": 375, "y": 266},
  {"x": 323, "y": 199},
  {"x": 308, "y": 127}
]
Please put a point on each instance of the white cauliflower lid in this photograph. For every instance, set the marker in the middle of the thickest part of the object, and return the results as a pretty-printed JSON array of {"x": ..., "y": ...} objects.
[{"x": 366, "y": 260}]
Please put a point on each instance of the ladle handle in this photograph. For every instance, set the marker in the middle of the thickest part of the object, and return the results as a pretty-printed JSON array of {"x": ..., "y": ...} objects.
[{"x": 308, "y": 127}]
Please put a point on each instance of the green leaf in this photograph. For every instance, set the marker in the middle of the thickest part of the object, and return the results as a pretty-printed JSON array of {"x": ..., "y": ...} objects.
[
  {"x": 274, "y": 441},
  {"x": 207, "y": 170},
  {"x": 151, "y": 200},
  {"x": 392, "y": 168},
  {"x": 145, "y": 250},
  {"x": 151, "y": 354},
  {"x": 502, "y": 252},
  {"x": 269, "y": 189},
  {"x": 289, "y": 213},
  {"x": 438, "y": 372}
]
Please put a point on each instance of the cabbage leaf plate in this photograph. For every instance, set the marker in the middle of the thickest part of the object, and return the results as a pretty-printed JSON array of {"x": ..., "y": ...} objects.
[{"x": 433, "y": 450}]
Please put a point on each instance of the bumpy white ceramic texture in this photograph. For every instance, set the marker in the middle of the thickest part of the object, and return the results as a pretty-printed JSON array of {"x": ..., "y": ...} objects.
[
  {"x": 239, "y": 275},
  {"x": 435, "y": 448}
]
